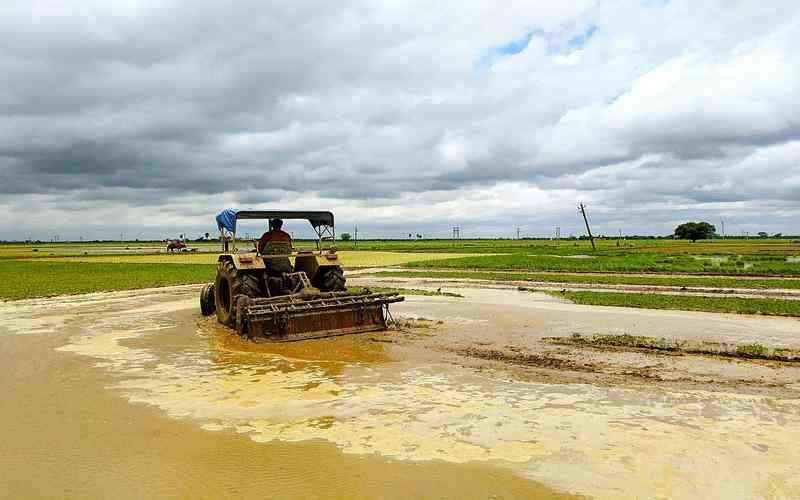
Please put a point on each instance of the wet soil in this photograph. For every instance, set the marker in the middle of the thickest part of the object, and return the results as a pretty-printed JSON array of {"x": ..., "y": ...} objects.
[
  {"x": 72, "y": 428},
  {"x": 134, "y": 394}
]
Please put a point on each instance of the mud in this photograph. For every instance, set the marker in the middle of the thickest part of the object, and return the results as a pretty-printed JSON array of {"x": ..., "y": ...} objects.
[
  {"x": 661, "y": 345},
  {"x": 134, "y": 394}
]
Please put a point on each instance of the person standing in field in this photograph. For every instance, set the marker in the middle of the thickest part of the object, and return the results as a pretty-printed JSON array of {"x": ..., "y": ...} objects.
[{"x": 274, "y": 235}]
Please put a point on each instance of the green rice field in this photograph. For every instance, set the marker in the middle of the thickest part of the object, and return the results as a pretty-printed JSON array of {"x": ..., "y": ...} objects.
[{"x": 46, "y": 269}]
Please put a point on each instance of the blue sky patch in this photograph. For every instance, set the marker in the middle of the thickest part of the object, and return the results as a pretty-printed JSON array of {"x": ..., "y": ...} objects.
[
  {"x": 554, "y": 44},
  {"x": 580, "y": 40},
  {"x": 516, "y": 46}
]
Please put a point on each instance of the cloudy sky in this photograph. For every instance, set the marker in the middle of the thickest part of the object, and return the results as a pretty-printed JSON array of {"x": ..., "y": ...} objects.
[{"x": 147, "y": 117}]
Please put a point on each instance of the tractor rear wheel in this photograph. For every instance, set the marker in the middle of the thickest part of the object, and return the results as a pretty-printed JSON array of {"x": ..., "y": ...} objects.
[
  {"x": 331, "y": 280},
  {"x": 229, "y": 285}
]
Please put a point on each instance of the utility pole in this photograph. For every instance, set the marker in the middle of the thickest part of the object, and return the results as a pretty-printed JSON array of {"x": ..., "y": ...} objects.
[
  {"x": 456, "y": 233},
  {"x": 582, "y": 208},
  {"x": 722, "y": 223},
  {"x": 355, "y": 236},
  {"x": 517, "y": 232}
]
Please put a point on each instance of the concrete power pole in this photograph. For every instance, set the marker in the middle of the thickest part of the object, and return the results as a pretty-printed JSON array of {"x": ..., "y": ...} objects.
[{"x": 582, "y": 208}]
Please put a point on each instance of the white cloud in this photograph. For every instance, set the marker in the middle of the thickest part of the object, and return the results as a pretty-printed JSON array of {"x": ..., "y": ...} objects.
[{"x": 662, "y": 109}]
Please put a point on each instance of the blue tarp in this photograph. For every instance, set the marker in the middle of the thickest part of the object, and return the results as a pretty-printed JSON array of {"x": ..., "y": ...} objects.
[{"x": 227, "y": 219}]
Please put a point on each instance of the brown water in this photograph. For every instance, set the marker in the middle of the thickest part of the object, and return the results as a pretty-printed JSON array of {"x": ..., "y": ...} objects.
[
  {"x": 65, "y": 432},
  {"x": 133, "y": 394}
]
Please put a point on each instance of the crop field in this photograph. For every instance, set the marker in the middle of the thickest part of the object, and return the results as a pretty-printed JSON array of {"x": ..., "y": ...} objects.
[
  {"x": 751, "y": 261},
  {"x": 44, "y": 269},
  {"x": 348, "y": 259},
  {"x": 28, "y": 271},
  {"x": 606, "y": 279},
  {"x": 23, "y": 279}
]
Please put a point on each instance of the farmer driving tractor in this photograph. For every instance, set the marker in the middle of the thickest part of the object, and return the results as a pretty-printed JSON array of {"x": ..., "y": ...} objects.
[{"x": 274, "y": 235}]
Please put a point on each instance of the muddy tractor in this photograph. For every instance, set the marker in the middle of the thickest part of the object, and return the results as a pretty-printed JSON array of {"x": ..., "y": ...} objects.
[{"x": 279, "y": 293}]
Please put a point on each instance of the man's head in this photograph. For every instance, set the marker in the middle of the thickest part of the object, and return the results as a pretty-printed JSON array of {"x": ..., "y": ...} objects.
[{"x": 275, "y": 224}]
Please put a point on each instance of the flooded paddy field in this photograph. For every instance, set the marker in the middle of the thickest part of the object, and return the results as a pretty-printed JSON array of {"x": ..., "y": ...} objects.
[{"x": 134, "y": 394}]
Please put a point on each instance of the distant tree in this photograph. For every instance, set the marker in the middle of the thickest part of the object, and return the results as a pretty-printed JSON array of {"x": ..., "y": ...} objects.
[
  {"x": 777, "y": 235},
  {"x": 695, "y": 231},
  {"x": 763, "y": 234},
  {"x": 345, "y": 237}
]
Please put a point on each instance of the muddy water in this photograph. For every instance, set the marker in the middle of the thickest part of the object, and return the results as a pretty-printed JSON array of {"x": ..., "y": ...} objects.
[
  {"x": 133, "y": 393},
  {"x": 126, "y": 395}
]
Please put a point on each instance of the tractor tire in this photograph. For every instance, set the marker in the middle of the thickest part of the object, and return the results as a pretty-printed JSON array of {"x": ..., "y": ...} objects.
[
  {"x": 229, "y": 285},
  {"x": 207, "y": 302},
  {"x": 331, "y": 280}
]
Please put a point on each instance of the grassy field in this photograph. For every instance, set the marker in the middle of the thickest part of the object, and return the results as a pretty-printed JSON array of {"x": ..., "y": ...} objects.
[
  {"x": 28, "y": 271},
  {"x": 347, "y": 259},
  {"x": 604, "y": 279},
  {"x": 769, "y": 307},
  {"x": 24, "y": 279},
  {"x": 85, "y": 267},
  {"x": 619, "y": 262}
]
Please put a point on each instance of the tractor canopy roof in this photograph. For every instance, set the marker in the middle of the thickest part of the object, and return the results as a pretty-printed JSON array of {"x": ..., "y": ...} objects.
[{"x": 228, "y": 217}]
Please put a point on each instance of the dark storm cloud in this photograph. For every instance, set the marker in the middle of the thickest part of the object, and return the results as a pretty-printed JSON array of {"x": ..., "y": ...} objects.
[{"x": 382, "y": 106}]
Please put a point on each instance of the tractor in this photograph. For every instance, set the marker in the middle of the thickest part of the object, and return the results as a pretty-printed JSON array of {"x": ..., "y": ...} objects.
[
  {"x": 175, "y": 245},
  {"x": 279, "y": 293}
]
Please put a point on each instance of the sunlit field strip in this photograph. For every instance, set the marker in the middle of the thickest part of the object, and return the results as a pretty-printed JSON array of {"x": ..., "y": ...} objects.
[{"x": 348, "y": 259}]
